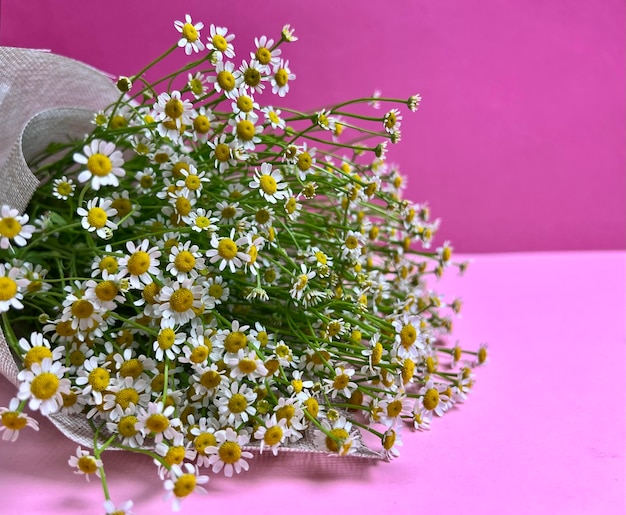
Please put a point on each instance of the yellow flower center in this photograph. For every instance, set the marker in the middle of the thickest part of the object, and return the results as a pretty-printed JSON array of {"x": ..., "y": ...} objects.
[
  {"x": 189, "y": 32},
  {"x": 247, "y": 366},
  {"x": 431, "y": 399},
  {"x": 245, "y": 130},
  {"x": 341, "y": 381},
  {"x": 235, "y": 341},
  {"x": 286, "y": 412},
  {"x": 219, "y": 42},
  {"x": 273, "y": 117},
  {"x": 210, "y": 379},
  {"x": 352, "y": 242},
  {"x": 99, "y": 165},
  {"x": 237, "y": 403},
  {"x": 408, "y": 369},
  {"x": 230, "y": 452},
  {"x": 252, "y": 77},
  {"x": 14, "y": 421},
  {"x": 126, "y": 426},
  {"x": 244, "y": 103},
  {"x": 69, "y": 399},
  {"x": 389, "y": 439},
  {"x": 262, "y": 216},
  {"x": 36, "y": 355},
  {"x": 199, "y": 354},
  {"x": 175, "y": 455},
  {"x": 297, "y": 385},
  {"x": 291, "y": 205},
  {"x": 196, "y": 87},
  {"x": 166, "y": 338},
  {"x": 183, "y": 206},
  {"x": 222, "y": 152},
  {"x": 123, "y": 206},
  {"x": 201, "y": 124},
  {"x": 202, "y": 441},
  {"x": 338, "y": 434},
  {"x": 408, "y": 335},
  {"x": 394, "y": 408},
  {"x": 203, "y": 222},
  {"x": 106, "y": 290},
  {"x": 118, "y": 122},
  {"x": 263, "y": 55},
  {"x": 157, "y": 423},
  {"x": 216, "y": 291},
  {"x": 227, "y": 249},
  {"x": 334, "y": 328},
  {"x": 174, "y": 108},
  {"x": 126, "y": 396},
  {"x": 45, "y": 385},
  {"x": 281, "y": 77},
  {"x": 312, "y": 406},
  {"x": 65, "y": 328},
  {"x": 253, "y": 253},
  {"x": 64, "y": 189},
  {"x": 99, "y": 379},
  {"x": 268, "y": 184},
  {"x": 76, "y": 357},
  {"x": 150, "y": 291},
  {"x": 273, "y": 435},
  {"x": 87, "y": 464},
  {"x": 8, "y": 288},
  {"x": 185, "y": 261},
  {"x": 108, "y": 263},
  {"x": 138, "y": 263},
  {"x": 82, "y": 308},
  {"x": 97, "y": 217},
  {"x": 482, "y": 355},
  {"x": 9, "y": 227},
  {"x": 181, "y": 300},
  {"x": 304, "y": 161},
  {"x": 226, "y": 80},
  {"x": 131, "y": 368}
]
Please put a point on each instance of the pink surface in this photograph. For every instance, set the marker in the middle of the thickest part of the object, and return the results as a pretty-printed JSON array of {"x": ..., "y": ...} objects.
[
  {"x": 519, "y": 143},
  {"x": 543, "y": 432}
]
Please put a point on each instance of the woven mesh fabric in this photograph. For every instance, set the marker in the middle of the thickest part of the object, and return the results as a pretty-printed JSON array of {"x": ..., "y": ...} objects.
[{"x": 47, "y": 98}]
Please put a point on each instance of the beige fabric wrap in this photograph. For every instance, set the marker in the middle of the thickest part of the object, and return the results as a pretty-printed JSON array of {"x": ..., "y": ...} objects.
[{"x": 47, "y": 98}]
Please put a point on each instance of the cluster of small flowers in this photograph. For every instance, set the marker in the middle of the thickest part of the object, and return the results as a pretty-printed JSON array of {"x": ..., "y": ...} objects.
[{"x": 203, "y": 280}]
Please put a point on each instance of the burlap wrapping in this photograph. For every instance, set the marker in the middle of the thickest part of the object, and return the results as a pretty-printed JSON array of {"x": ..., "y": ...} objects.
[{"x": 47, "y": 98}]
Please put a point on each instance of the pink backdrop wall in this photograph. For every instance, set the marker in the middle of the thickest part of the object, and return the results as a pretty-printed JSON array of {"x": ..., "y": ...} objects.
[{"x": 519, "y": 142}]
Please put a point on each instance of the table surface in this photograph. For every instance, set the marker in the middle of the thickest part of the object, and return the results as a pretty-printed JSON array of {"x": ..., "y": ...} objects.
[{"x": 542, "y": 432}]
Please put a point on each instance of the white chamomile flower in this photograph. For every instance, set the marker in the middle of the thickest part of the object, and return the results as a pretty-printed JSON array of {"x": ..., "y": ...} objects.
[
  {"x": 12, "y": 287},
  {"x": 269, "y": 184},
  {"x": 104, "y": 164},
  {"x": 85, "y": 463},
  {"x": 272, "y": 116},
  {"x": 280, "y": 79},
  {"x": 228, "y": 454},
  {"x": 220, "y": 43},
  {"x": 226, "y": 251},
  {"x": 13, "y": 227},
  {"x": 190, "y": 35},
  {"x": 13, "y": 421},
  {"x": 97, "y": 216},
  {"x": 140, "y": 264},
  {"x": 63, "y": 188},
  {"x": 43, "y": 385},
  {"x": 184, "y": 479}
]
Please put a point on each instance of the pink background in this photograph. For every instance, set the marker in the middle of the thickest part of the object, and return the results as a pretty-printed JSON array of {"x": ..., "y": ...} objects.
[
  {"x": 543, "y": 432},
  {"x": 519, "y": 143}
]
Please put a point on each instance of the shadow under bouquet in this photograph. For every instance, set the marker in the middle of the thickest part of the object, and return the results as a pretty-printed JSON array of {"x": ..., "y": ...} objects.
[{"x": 199, "y": 272}]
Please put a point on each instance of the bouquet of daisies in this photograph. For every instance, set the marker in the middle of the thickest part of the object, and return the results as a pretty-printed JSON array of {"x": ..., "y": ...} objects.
[{"x": 209, "y": 273}]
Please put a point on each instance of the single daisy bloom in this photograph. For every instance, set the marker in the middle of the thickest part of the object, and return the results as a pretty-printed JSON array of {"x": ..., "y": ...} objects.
[
  {"x": 301, "y": 282},
  {"x": 125, "y": 423},
  {"x": 272, "y": 434},
  {"x": 246, "y": 364},
  {"x": 94, "y": 378},
  {"x": 264, "y": 54},
  {"x": 84, "y": 315},
  {"x": 85, "y": 463},
  {"x": 63, "y": 188},
  {"x": 235, "y": 403},
  {"x": 192, "y": 181},
  {"x": 246, "y": 133},
  {"x": 269, "y": 183},
  {"x": 155, "y": 421},
  {"x": 168, "y": 342},
  {"x": 183, "y": 480},
  {"x": 37, "y": 349},
  {"x": 228, "y": 453},
  {"x": 190, "y": 35},
  {"x": 392, "y": 121},
  {"x": 342, "y": 383},
  {"x": 272, "y": 117},
  {"x": 97, "y": 217},
  {"x": 243, "y": 105},
  {"x": 185, "y": 261},
  {"x": 172, "y": 109},
  {"x": 13, "y": 421},
  {"x": 226, "y": 252},
  {"x": 43, "y": 385},
  {"x": 216, "y": 290},
  {"x": 408, "y": 340},
  {"x": 434, "y": 398},
  {"x": 287, "y": 33},
  {"x": 201, "y": 220},
  {"x": 325, "y": 120},
  {"x": 280, "y": 79},
  {"x": 104, "y": 164},
  {"x": 338, "y": 437},
  {"x": 12, "y": 287},
  {"x": 13, "y": 227},
  {"x": 226, "y": 78},
  {"x": 220, "y": 43},
  {"x": 254, "y": 74},
  {"x": 197, "y": 84},
  {"x": 221, "y": 151},
  {"x": 180, "y": 300},
  {"x": 141, "y": 263},
  {"x": 391, "y": 440}
]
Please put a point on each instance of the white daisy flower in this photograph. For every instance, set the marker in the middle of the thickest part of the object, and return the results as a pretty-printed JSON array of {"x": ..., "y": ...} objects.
[
  {"x": 104, "y": 164},
  {"x": 183, "y": 480},
  {"x": 228, "y": 453},
  {"x": 226, "y": 78},
  {"x": 264, "y": 54},
  {"x": 235, "y": 404},
  {"x": 12, "y": 421},
  {"x": 179, "y": 300},
  {"x": 141, "y": 263},
  {"x": 220, "y": 43},
  {"x": 185, "y": 261},
  {"x": 97, "y": 217},
  {"x": 190, "y": 35},
  {"x": 13, "y": 226},
  {"x": 280, "y": 79},
  {"x": 216, "y": 290},
  {"x": 254, "y": 74},
  {"x": 301, "y": 282},
  {"x": 201, "y": 220},
  {"x": 85, "y": 463},
  {"x": 338, "y": 437},
  {"x": 43, "y": 385},
  {"x": 272, "y": 434},
  {"x": 226, "y": 251},
  {"x": 269, "y": 183},
  {"x": 272, "y": 116},
  {"x": 12, "y": 287},
  {"x": 173, "y": 108},
  {"x": 63, "y": 188}
]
